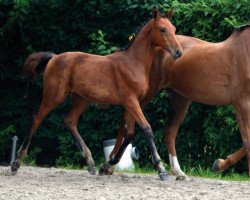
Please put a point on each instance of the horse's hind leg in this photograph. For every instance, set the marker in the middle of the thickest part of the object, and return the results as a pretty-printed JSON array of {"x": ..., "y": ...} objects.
[
  {"x": 221, "y": 164},
  {"x": 242, "y": 111},
  {"x": 180, "y": 107},
  {"x": 79, "y": 104}
]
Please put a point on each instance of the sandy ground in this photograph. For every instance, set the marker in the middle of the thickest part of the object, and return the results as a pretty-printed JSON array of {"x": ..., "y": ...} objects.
[{"x": 52, "y": 183}]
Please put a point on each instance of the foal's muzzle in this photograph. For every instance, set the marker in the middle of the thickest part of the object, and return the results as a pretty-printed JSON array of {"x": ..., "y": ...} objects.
[{"x": 177, "y": 54}]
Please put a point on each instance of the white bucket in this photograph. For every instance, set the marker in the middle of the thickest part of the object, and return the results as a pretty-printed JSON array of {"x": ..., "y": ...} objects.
[{"x": 126, "y": 162}]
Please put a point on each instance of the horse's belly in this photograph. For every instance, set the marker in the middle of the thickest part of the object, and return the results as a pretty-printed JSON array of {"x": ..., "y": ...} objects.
[
  {"x": 210, "y": 99},
  {"x": 204, "y": 93},
  {"x": 202, "y": 84}
]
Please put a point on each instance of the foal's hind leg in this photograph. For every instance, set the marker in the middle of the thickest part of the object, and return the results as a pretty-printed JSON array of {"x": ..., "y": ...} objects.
[
  {"x": 53, "y": 95},
  {"x": 48, "y": 104},
  {"x": 79, "y": 104},
  {"x": 242, "y": 111},
  {"x": 180, "y": 107}
]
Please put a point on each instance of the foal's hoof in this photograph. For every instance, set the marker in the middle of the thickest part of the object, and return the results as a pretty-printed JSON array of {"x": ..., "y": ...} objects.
[
  {"x": 216, "y": 166},
  {"x": 106, "y": 169},
  {"x": 163, "y": 176},
  {"x": 92, "y": 169},
  {"x": 14, "y": 166}
]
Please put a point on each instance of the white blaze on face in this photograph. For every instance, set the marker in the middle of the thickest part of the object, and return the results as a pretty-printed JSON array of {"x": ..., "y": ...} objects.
[{"x": 175, "y": 167}]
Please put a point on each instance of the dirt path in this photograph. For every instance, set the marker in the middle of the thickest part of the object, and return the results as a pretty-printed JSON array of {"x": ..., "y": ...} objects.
[{"x": 51, "y": 183}]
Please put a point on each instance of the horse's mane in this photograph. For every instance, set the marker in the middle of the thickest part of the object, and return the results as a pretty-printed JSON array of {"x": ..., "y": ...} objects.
[{"x": 241, "y": 27}]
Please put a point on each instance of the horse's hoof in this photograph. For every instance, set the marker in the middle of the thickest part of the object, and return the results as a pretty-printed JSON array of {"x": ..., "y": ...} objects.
[
  {"x": 181, "y": 178},
  {"x": 163, "y": 176},
  {"x": 106, "y": 169},
  {"x": 92, "y": 170},
  {"x": 15, "y": 166},
  {"x": 216, "y": 166}
]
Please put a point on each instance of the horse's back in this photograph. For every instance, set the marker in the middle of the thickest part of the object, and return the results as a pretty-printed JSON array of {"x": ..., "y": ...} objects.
[{"x": 214, "y": 73}]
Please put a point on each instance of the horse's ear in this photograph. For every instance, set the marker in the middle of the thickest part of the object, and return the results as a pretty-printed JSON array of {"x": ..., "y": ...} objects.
[
  {"x": 169, "y": 13},
  {"x": 155, "y": 13}
]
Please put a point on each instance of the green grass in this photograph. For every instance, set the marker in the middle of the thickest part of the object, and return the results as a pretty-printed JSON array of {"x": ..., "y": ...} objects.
[
  {"x": 207, "y": 173},
  {"x": 27, "y": 161},
  {"x": 195, "y": 172}
]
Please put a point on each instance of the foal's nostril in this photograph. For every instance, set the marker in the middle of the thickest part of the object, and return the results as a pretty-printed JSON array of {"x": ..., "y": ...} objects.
[{"x": 178, "y": 54}]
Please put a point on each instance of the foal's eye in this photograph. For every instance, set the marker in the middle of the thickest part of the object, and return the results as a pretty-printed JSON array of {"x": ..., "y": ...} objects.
[{"x": 162, "y": 30}]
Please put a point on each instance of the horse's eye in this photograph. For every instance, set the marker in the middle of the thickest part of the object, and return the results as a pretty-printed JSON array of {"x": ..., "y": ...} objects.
[{"x": 162, "y": 30}]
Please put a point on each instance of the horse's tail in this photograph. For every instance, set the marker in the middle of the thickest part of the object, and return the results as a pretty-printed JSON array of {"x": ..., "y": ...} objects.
[{"x": 36, "y": 63}]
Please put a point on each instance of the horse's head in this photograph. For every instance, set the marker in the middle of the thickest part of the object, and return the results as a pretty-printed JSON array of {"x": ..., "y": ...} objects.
[{"x": 164, "y": 33}]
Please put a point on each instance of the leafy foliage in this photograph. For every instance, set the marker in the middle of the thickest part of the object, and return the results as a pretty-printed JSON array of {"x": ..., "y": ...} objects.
[{"x": 97, "y": 26}]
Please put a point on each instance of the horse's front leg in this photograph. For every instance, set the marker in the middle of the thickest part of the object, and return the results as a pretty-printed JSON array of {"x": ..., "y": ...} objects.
[
  {"x": 221, "y": 164},
  {"x": 242, "y": 111},
  {"x": 180, "y": 107}
]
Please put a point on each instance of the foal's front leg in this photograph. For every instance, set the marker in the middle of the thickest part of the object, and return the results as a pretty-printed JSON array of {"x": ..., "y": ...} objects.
[
  {"x": 132, "y": 106},
  {"x": 120, "y": 145},
  {"x": 119, "y": 138},
  {"x": 136, "y": 111}
]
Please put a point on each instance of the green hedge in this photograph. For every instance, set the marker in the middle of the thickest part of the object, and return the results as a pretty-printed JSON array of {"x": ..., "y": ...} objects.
[{"x": 97, "y": 26}]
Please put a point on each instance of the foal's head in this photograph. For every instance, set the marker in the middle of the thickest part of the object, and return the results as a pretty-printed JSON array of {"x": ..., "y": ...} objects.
[{"x": 164, "y": 33}]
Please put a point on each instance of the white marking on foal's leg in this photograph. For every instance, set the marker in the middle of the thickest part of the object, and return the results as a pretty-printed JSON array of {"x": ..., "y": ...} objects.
[{"x": 176, "y": 169}]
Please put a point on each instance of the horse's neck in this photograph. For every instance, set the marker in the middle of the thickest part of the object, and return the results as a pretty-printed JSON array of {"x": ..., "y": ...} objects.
[{"x": 140, "y": 53}]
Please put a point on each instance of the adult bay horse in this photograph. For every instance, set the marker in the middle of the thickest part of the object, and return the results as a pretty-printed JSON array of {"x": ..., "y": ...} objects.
[
  {"x": 120, "y": 78},
  {"x": 215, "y": 74}
]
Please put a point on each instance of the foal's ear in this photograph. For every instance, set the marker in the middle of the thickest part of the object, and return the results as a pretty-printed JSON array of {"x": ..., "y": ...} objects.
[
  {"x": 169, "y": 13},
  {"x": 155, "y": 13}
]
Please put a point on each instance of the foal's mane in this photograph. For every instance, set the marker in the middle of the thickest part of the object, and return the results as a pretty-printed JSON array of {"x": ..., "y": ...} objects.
[{"x": 133, "y": 35}]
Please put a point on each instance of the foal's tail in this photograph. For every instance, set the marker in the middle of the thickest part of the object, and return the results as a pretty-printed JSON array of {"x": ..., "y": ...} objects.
[{"x": 36, "y": 63}]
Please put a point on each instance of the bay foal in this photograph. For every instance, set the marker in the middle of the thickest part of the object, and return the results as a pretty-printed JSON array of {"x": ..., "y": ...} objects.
[
  {"x": 120, "y": 78},
  {"x": 215, "y": 74}
]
